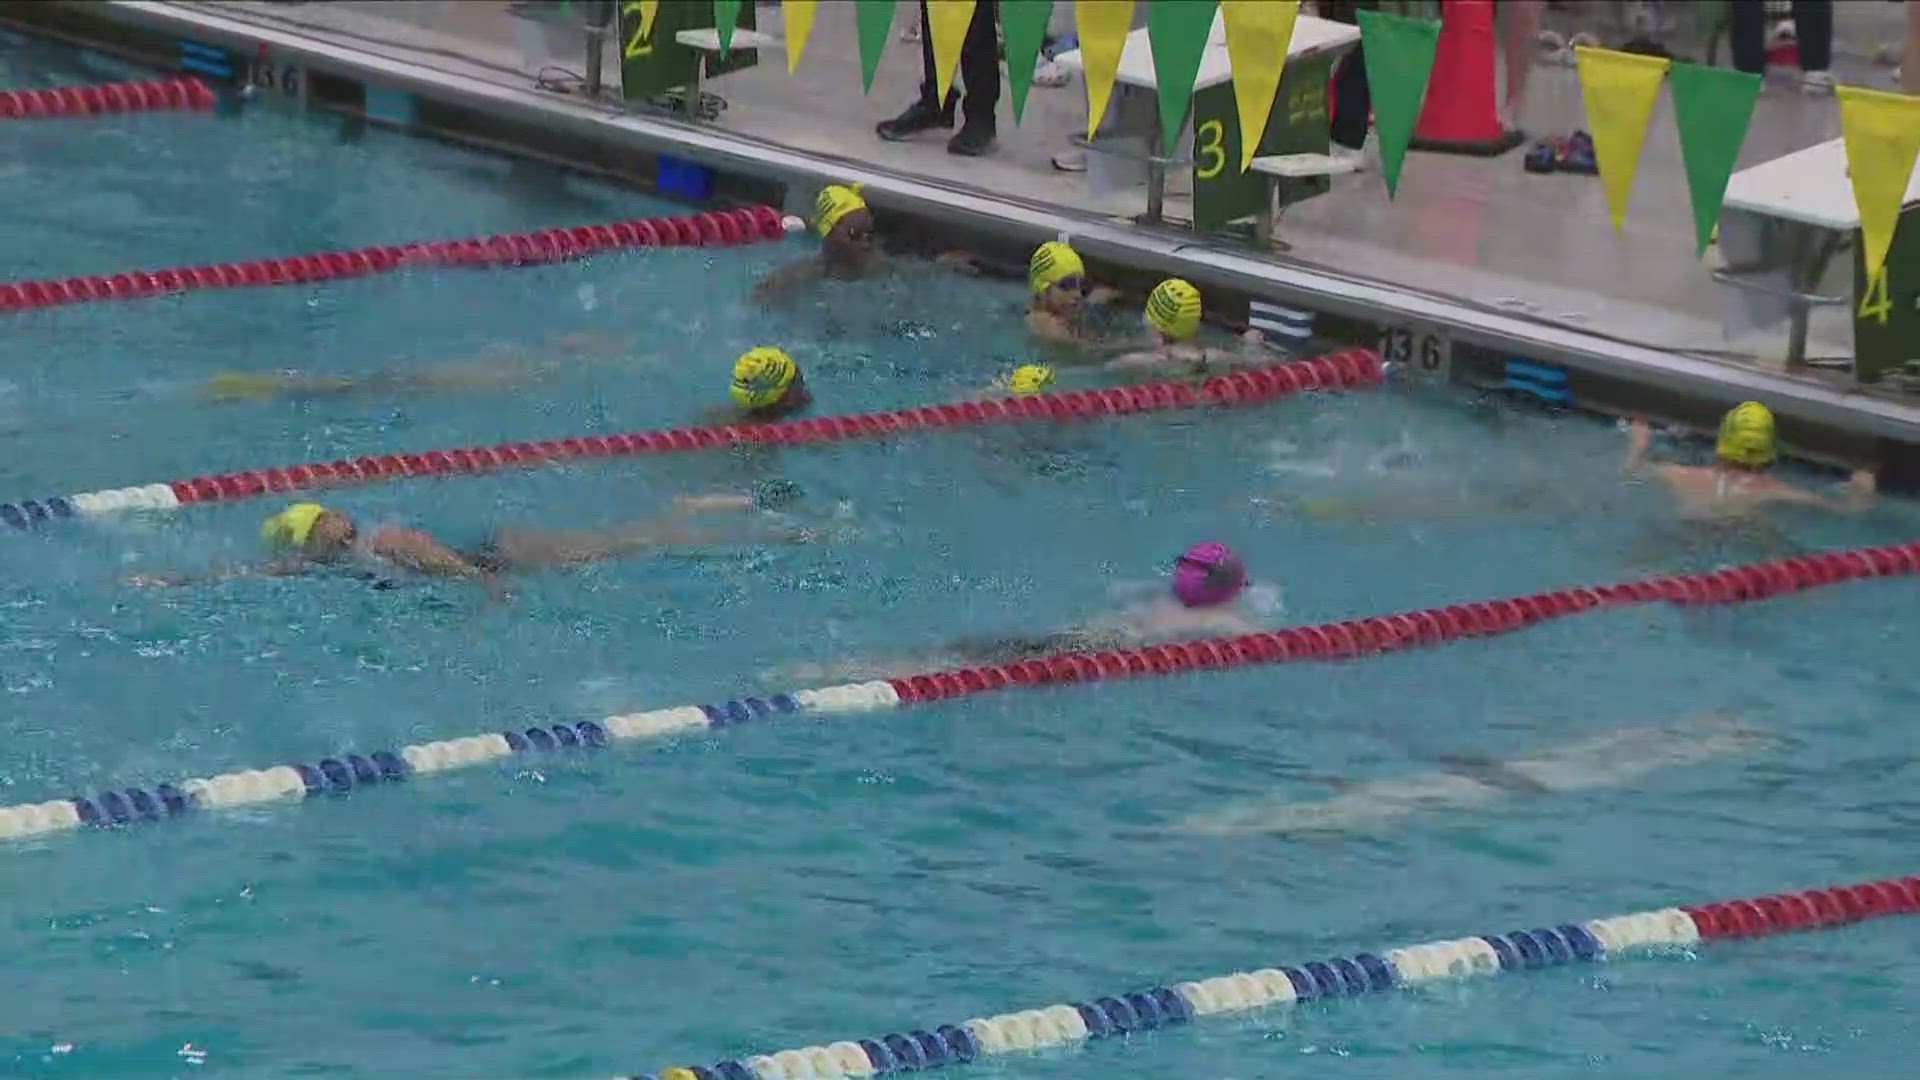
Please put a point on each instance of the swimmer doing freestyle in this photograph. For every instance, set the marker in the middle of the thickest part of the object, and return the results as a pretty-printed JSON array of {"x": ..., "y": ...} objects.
[
  {"x": 1737, "y": 483},
  {"x": 310, "y": 536},
  {"x": 1209, "y": 580}
]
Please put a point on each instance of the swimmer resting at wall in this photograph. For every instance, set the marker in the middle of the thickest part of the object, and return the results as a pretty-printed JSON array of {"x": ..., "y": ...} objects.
[
  {"x": 1172, "y": 319},
  {"x": 310, "y": 536},
  {"x": 847, "y": 248},
  {"x": 1737, "y": 483},
  {"x": 1208, "y": 581},
  {"x": 1061, "y": 293},
  {"x": 496, "y": 368}
]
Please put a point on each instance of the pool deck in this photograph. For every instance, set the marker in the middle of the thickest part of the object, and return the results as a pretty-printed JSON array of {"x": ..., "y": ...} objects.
[{"x": 1521, "y": 265}]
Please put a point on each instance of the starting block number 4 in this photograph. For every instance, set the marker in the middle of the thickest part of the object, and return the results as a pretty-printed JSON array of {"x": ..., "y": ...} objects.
[{"x": 1418, "y": 350}]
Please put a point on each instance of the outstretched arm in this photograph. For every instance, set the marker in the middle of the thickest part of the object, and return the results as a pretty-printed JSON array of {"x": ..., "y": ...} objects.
[{"x": 1639, "y": 438}]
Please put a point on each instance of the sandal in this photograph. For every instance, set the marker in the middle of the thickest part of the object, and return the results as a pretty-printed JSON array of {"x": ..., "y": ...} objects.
[
  {"x": 1576, "y": 155},
  {"x": 1543, "y": 156}
]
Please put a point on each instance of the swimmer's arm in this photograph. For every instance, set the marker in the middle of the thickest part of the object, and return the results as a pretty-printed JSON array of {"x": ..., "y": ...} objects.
[
  {"x": 273, "y": 568},
  {"x": 784, "y": 280},
  {"x": 1639, "y": 438}
]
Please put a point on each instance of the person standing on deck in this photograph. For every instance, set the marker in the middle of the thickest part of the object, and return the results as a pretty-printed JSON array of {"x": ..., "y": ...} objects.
[{"x": 979, "y": 70}]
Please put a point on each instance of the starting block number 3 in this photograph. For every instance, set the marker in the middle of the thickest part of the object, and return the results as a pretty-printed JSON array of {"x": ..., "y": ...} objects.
[{"x": 1417, "y": 350}]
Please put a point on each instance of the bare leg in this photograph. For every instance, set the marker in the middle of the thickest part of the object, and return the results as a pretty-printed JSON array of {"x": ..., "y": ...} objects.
[
  {"x": 1522, "y": 33},
  {"x": 528, "y": 548}
]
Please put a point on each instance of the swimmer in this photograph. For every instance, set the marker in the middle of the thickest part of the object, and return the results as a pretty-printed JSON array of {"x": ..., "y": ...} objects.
[
  {"x": 1057, "y": 280},
  {"x": 1737, "y": 483},
  {"x": 486, "y": 372},
  {"x": 1172, "y": 318},
  {"x": 1023, "y": 381},
  {"x": 767, "y": 385},
  {"x": 1208, "y": 579},
  {"x": 848, "y": 251},
  {"x": 308, "y": 535}
]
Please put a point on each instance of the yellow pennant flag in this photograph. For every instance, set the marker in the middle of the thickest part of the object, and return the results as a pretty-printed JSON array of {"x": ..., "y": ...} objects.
[
  {"x": 1882, "y": 131},
  {"x": 947, "y": 22},
  {"x": 799, "y": 21},
  {"x": 1258, "y": 33},
  {"x": 1619, "y": 89},
  {"x": 649, "y": 11},
  {"x": 1102, "y": 26}
]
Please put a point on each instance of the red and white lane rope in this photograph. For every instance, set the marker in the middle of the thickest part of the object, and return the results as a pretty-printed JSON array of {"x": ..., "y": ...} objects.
[
  {"x": 144, "y": 95},
  {"x": 718, "y": 227}
]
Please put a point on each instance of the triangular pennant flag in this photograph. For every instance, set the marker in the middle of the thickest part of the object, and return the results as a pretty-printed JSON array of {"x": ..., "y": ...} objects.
[
  {"x": 1102, "y": 26},
  {"x": 874, "y": 21},
  {"x": 1620, "y": 89},
  {"x": 1882, "y": 132},
  {"x": 1177, "y": 31},
  {"x": 726, "y": 15},
  {"x": 1712, "y": 107},
  {"x": 1024, "y": 23},
  {"x": 1399, "y": 58},
  {"x": 947, "y": 22},
  {"x": 1258, "y": 33},
  {"x": 799, "y": 22},
  {"x": 649, "y": 11}
]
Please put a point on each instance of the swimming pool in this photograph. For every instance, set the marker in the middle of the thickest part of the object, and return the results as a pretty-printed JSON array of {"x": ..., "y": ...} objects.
[{"x": 795, "y": 883}]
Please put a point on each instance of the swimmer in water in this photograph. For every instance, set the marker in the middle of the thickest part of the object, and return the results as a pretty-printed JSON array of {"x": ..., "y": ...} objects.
[
  {"x": 308, "y": 535},
  {"x": 1208, "y": 579},
  {"x": 1737, "y": 483},
  {"x": 1023, "y": 381},
  {"x": 1061, "y": 293},
  {"x": 486, "y": 372},
  {"x": 848, "y": 251},
  {"x": 767, "y": 385},
  {"x": 1172, "y": 318}
]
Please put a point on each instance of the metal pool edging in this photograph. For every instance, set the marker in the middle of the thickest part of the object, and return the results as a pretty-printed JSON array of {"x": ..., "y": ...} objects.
[{"x": 1356, "y": 298}]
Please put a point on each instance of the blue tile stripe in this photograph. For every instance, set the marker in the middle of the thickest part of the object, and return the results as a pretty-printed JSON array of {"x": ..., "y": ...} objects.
[
  {"x": 344, "y": 773},
  {"x": 1121, "y": 1015},
  {"x": 1544, "y": 381}
]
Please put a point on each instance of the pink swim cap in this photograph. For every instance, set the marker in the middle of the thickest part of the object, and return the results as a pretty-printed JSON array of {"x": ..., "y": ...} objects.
[{"x": 1208, "y": 573}]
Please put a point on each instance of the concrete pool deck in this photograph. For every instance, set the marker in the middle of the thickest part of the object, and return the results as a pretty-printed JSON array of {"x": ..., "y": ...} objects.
[{"x": 1513, "y": 264}]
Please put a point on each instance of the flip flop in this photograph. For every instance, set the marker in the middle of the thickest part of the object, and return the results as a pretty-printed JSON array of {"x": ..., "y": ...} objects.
[
  {"x": 1576, "y": 155},
  {"x": 1542, "y": 156}
]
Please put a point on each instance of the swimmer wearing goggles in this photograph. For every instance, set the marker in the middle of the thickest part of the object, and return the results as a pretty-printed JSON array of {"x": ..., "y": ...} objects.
[
  {"x": 307, "y": 535},
  {"x": 849, "y": 250},
  {"x": 1060, "y": 294},
  {"x": 767, "y": 385},
  {"x": 1738, "y": 482},
  {"x": 1208, "y": 579}
]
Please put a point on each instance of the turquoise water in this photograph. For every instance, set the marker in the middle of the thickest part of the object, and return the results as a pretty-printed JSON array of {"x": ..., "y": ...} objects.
[{"x": 829, "y": 878}]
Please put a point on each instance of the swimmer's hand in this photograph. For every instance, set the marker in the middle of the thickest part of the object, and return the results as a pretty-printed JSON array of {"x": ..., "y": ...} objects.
[
  {"x": 693, "y": 504},
  {"x": 1102, "y": 295},
  {"x": 1861, "y": 488},
  {"x": 1639, "y": 439},
  {"x": 963, "y": 261},
  {"x": 148, "y": 581}
]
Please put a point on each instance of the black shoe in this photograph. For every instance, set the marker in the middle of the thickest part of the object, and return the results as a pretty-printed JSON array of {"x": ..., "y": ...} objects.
[
  {"x": 975, "y": 138},
  {"x": 919, "y": 117}
]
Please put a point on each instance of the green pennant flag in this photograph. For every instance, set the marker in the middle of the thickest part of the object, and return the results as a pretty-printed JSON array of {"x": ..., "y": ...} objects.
[
  {"x": 1177, "y": 30},
  {"x": 1712, "y": 108},
  {"x": 726, "y": 15},
  {"x": 1399, "y": 57},
  {"x": 874, "y": 20},
  {"x": 1024, "y": 23}
]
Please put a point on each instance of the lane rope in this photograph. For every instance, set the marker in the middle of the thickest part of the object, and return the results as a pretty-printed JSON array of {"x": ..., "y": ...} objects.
[
  {"x": 744, "y": 225},
  {"x": 1354, "y": 367},
  {"x": 93, "y": 99},
  {"x": 1121, "y": 1015},
  {"x": 1324, "y": 641}
]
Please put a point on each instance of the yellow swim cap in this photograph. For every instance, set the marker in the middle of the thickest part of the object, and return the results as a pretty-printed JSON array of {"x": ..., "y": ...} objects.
[
  {"x": 292, "y": 525},
  {"x": 678, "y": 1072},
  {"x": 836, "y": 201},
  {"x": 1051, "y": 262},
  {"x": 230, "y": 385},
  {"x": 1174, "y": 308},
  {"x": 1746, "y": 434},
  {"x": 1030, "y": 379},
  {"x": 761, "y": 377}
]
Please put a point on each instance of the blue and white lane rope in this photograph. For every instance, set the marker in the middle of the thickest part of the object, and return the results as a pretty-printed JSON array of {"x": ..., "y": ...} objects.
[
  {"x": 338, "y": 775},
  {"x": 1072, "y": 1023}
]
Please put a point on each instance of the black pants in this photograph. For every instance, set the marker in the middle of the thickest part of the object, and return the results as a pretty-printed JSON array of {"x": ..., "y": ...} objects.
[
  {"x": 979, "y": 66},
  {"x": 1352, "y": 96},
  {"x": 1812, "y": 27}
]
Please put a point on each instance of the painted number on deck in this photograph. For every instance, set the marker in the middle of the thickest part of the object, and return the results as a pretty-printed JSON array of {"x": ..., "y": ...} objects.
[
  {"x": 637, "y": 43},
  {"x": 1427, "y": 352},
  {"x": 1876, "y": 302},
  {"x": 282, "y": 77}
]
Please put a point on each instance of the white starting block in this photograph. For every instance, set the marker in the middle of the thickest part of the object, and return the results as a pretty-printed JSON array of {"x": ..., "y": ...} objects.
[
  {"x": 1292, "y": 167},
  {"x": 707, "y": 40}
]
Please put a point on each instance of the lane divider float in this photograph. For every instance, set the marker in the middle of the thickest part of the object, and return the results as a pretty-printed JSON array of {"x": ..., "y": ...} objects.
[
  {"x": 718, "y": 227},
  {"x": 92, "y": 99},
  {"x": 1325, "y": 641},
  {"x": 1121, "y": 1015},
  {"x": 1354, "y": 367}
]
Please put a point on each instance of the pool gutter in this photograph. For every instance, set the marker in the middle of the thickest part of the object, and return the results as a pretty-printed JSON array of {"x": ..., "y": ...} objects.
[{"x": 1703, "y": 380}]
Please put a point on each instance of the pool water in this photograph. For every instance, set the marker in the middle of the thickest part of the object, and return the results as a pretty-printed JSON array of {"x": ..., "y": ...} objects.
[{"x": 824, "y": 878}]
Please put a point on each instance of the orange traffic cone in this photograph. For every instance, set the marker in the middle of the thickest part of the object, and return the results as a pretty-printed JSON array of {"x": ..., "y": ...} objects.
[{"x": 1461, "y": 114}]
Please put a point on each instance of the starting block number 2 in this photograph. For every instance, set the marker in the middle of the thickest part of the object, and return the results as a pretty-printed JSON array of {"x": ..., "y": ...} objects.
[{"x": 1417, "y": 350}]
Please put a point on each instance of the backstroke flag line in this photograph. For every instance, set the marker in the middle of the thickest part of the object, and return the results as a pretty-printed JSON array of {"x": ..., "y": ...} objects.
[
  {"x": 1882, "y": 133},
  {"x": 799, "y": 17},
  {"x": 1712, "y": 107},
  {"x": 1619, "y": 89},
  {"x": 1102, "y": 26},
  {"x": 1399, "y": 57},
  {"x": 1258, "y": 34},
  {"x": 947, "y": 22},
  {"x": 1025, "y": 25}
]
